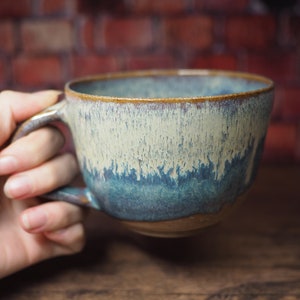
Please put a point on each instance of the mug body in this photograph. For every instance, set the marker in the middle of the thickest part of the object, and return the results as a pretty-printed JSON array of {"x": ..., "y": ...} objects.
[{"x": 163, "y": 145}]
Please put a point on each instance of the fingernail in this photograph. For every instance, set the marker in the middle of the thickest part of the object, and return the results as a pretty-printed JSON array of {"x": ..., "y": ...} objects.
[
  {"x": 8, "y": 164},
  {"x": 18, "y": 187},
  {"x": 34, "y": 219}
]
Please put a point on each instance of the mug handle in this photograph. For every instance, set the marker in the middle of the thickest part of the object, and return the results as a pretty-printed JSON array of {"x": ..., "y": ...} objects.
[{"x": 79, "y": 196}]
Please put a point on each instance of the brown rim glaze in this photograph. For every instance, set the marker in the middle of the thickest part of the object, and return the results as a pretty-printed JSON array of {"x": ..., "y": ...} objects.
[{"x": 180, "y": 72}]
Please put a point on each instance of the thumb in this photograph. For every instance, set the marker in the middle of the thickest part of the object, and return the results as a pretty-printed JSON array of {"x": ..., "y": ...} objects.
[
  {"x": 24, "y": 105},
  {"x": 17, "y": 106}
]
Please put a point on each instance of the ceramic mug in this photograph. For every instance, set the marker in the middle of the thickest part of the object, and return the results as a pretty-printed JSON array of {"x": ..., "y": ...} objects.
[{"x": 168, "y": 152}]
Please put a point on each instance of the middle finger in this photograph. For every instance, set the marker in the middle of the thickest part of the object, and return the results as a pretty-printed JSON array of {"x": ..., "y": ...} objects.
[{"x": 30, "y": 151}]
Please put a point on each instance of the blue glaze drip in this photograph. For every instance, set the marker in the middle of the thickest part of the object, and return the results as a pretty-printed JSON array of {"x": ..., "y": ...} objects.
[{"x": 160, "y": 197}]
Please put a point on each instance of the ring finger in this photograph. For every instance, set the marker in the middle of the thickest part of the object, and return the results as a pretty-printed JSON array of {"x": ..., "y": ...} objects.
[{"x": 51, "y": 216}]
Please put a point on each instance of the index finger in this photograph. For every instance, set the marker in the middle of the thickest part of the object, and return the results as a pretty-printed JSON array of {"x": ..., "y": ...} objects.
[{"x": 17, "y": 106}]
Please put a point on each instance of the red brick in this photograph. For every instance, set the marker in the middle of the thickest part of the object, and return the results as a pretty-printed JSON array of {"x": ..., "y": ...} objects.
[
  {"x": 93, "y": 64},
  {"x": 153, "y": 61},
  {"x": 9, "y": 8},
  {"x": 215, "y": 61},
  {"x": 291, "y": 103},
  {"x": 279, "y": 66},
  {"x": 157, "y": 7},
  {"x": 46, "y": 36},
  {"x": 53, "y": 7},
  {"x": 193, "y": 31},
  {"x": 222, "y": 5},
  {"x": 7, "y": 37},
  {"x": 3, "y": 75},
  {"x": 128, "y": 33},
  {"x": 278, "y": 101},
  {"x": 86, "y": 34},
  {"x": 251, "y": 32},
  {"x": 38, "y": 71},
  {"x": 281, "y": 143}
]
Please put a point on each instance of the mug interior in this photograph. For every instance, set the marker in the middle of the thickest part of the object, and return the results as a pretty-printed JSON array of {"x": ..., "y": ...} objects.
[{"x": 162, "y": 86}]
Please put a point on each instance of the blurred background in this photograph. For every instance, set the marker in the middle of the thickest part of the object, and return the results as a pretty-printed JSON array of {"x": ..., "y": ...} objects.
[{"x": 44, "y": 43}]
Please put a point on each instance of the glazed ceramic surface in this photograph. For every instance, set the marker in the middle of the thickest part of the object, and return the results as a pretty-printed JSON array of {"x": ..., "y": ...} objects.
[
  {"x": 165, "y": 145},
  {"x": 154, "y": 156}
]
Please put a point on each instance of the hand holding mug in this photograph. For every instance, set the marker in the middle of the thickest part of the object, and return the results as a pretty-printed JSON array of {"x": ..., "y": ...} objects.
[{"x": 32, "y": 231}]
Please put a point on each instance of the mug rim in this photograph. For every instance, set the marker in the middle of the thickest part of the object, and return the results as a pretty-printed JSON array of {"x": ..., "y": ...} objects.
[{"x": 170, "y": 72}]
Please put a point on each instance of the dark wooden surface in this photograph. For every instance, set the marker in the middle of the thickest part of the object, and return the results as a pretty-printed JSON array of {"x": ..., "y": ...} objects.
[{"x": 253, "y": 254}]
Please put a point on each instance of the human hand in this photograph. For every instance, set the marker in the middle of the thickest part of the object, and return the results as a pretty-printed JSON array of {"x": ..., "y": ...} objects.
[{"x": 31, "y": 231}]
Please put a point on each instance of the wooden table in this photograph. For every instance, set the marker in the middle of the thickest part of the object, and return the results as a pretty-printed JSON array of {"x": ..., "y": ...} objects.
[{"x": 253, "y": 254}]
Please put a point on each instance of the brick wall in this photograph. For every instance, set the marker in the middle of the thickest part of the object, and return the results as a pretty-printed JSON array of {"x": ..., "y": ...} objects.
[{"x": 44, "y": 43}]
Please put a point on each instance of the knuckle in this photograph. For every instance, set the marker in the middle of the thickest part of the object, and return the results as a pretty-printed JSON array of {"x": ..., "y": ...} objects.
[
  {"x": 47, "y": 135},
  {"x": 66, "y": 168},
  {"x": 55, "y": 217},
  {"x": 55, "y": 135},
  {"x": 71, "y": 161},
  {"x": 62, "y": 214},
  {"x": 73, "y": 239},
  {"x": 79, "y": 239}
]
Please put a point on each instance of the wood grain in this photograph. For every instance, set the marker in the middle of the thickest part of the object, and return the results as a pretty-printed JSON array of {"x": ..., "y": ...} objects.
[{"x": 253, "y": 254}]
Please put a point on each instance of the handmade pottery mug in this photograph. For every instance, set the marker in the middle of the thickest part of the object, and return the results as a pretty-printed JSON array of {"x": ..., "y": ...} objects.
[{"x": 167, "y": 152}]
